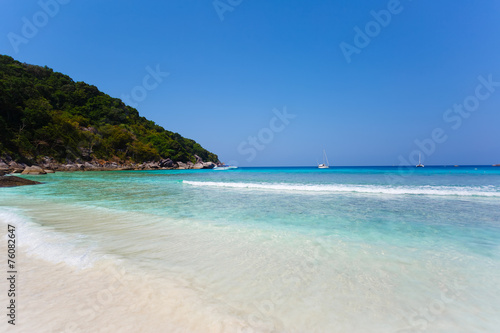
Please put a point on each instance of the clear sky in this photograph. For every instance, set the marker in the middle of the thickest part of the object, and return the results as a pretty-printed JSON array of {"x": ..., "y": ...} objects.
[{"x": 264, "y": 82}]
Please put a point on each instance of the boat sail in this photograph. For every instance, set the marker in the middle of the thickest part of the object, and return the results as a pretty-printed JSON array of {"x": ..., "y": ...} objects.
[
  {"x": 419, "y": 165},
  {"x": 325, "y": 164}
]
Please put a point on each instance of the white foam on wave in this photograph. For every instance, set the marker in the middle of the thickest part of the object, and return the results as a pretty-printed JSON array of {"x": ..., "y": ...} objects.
[
  {"x": 46, "y": 243},
  {"x": 483, "y": 191}
]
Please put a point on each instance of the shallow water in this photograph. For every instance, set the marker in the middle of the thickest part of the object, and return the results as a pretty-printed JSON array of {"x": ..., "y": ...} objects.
[{"x": 258, "y": 250}]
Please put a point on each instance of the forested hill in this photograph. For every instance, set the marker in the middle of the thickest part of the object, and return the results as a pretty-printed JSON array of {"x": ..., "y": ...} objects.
[{"x": 45, "y": 113}]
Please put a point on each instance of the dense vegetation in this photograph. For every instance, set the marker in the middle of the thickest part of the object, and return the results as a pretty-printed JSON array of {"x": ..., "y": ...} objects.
[{"x": 45, "y": 113}]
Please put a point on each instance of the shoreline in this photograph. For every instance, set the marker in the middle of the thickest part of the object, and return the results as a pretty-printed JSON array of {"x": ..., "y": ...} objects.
[
  {"x": 9, "y": 168},
  {"x": 48, "y": 165}
]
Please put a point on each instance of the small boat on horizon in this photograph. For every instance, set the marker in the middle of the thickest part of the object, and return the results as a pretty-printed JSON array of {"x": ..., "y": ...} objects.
[
  {"x": 419, "y": 165},
  {"x": 325, "y": 164}
]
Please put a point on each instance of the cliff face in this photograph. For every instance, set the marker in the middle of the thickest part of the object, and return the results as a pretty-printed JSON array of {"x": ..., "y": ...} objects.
[{"x": 45, "y": 115}]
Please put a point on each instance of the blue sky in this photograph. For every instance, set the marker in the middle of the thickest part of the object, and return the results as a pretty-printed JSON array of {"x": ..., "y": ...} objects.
[{"x": 231, "y": 80}]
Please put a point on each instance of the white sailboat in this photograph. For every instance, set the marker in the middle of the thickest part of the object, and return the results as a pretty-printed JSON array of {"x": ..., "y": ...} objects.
[
  {"x": 419, "y": 165},
  {"x": 325, "y": 164}
]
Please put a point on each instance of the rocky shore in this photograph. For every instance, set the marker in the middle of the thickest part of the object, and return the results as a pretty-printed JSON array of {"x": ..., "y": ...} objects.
[
  {"x": 11, "y": 181},
  {"x": 48, "y": 165}
]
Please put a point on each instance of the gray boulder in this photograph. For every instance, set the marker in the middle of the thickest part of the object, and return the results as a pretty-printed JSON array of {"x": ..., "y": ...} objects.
[
  {"x": 198, "y": 166},
  {"x": 34, "y": 170},
  {"x": 15, "y": 165},
  {"x": 166, "y": 163},
  {"x": 69, "y": 167},
  {"x": 89, "y": 166},
  {"x": 209, "y": 165},
  {"x": 4, "y": 166},
  {"x": 154, "y": 165}
]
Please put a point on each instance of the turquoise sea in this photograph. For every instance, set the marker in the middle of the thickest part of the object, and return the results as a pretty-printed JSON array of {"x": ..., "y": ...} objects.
[{"x": 348, "y": 249}]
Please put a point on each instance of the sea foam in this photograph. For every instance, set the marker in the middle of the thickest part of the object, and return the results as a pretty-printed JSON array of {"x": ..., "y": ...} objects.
[
  {"x": 483, "y": 191},
  {"x": 46, "y": 243}
]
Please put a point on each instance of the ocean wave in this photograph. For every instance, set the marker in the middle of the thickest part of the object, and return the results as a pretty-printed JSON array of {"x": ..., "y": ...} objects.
[
  {"x": 46, "y": 243},
  {"x": 483, "y": 191}
]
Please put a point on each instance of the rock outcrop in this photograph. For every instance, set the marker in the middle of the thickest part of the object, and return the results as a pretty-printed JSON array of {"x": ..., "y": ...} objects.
[
  {"x": 167, "y": 163},
  {"x": 3, "y": 165},
  {"x": 11, "y": 181},
  {"x": 48, "y": 165},
  {"x": 182, "y": 166},
  {"x": 209, "y": 165},
  {"x": 34, "y": 170}
]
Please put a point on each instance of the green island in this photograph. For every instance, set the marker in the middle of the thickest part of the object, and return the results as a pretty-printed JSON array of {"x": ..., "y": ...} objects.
[{"x": 50, "y": 122}]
